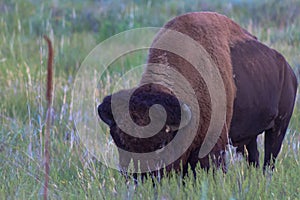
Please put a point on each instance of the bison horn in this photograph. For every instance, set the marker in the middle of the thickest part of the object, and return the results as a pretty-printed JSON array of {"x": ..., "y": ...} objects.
[{"x": 186, "y": 115}]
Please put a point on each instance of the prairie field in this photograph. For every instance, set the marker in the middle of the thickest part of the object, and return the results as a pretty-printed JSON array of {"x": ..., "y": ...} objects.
[{"x": 76, "y": 27}]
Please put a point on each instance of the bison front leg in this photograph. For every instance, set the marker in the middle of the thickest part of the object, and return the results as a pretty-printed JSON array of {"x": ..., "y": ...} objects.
[
  {"x": 193, "y": 160},
  {"x": 218, "y": 160},
  {"x": 124, "y": 161}
]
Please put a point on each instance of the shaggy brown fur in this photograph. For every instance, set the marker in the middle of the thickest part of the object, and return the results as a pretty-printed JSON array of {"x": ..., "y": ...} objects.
[
  {"x": 216, "y": 33},
  {"x": 234, "y": 51}
]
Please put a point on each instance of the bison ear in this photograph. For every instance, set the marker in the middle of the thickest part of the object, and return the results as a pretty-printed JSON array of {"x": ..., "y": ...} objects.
[
  {"x": 186, "y": 116},
  {"x": 104, "y": 111}
]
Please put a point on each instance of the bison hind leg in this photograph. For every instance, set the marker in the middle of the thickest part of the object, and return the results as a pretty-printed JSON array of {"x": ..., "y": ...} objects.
[
  {"x": 253, "y": 153},
  {"x": 248, "y": 149},
  {"x": 241, "y": 150},
  {"x": 273, "y": 141}
]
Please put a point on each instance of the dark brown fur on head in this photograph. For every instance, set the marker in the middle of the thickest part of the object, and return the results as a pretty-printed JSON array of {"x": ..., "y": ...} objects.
[{"x": 140, "y": 102}]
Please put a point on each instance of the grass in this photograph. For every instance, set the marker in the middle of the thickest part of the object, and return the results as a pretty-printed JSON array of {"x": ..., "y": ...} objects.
[{"x": 76, "y": 27}]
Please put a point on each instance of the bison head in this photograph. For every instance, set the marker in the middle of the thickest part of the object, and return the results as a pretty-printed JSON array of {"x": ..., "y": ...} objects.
[{"x": 142, "y": 101}]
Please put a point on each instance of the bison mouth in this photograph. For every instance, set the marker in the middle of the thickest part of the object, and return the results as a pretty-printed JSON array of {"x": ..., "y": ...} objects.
[
  {"x": 161, "y": 148},
  {"x": 156, "y": 143}
]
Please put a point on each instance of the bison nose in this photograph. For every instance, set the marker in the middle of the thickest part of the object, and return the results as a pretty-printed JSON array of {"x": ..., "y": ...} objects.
[{"x": 104, "y": 112}]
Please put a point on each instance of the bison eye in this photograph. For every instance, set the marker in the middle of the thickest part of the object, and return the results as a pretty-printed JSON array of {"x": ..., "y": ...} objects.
[{"x": 168, "y": 129}]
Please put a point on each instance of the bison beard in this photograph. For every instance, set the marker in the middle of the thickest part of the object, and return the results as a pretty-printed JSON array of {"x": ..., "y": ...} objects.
[{"x": 260, "y": 91}]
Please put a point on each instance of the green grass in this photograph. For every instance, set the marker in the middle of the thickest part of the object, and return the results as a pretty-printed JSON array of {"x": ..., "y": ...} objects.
[{"x": 76, "y": 27}]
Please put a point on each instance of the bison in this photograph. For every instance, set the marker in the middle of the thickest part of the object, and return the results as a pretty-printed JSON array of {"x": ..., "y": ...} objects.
[{"x": 260, "y": 89}]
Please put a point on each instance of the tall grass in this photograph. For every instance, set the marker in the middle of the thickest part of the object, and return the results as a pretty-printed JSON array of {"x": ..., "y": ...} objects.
[{"x": 75, "y": 28}]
